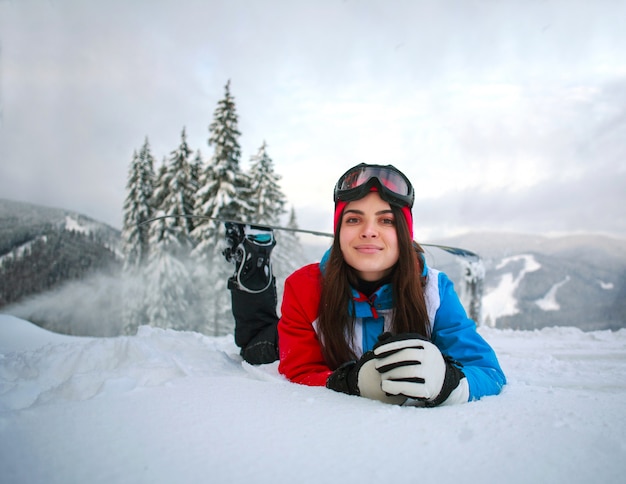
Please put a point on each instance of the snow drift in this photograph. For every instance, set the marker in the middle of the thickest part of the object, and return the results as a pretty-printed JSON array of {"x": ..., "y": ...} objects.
[{"x": 166, "y": 406}]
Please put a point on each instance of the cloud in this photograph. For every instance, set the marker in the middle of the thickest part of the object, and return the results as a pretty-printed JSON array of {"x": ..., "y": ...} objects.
[
  {"x": 588, "y": 204},
  {"x": 479, "y": 98}
]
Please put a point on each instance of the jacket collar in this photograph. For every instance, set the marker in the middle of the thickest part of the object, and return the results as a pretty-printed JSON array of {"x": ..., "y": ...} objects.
[{"x": 365, "y": 306}]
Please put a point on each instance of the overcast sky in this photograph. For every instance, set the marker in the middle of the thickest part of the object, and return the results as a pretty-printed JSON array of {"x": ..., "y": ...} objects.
[{"x": 506, "y": 115}]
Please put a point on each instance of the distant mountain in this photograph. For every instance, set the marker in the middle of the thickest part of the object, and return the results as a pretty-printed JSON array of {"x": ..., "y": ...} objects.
[
  {"x": 42, "y": 247},
  {"x": 530, "y": 281},
  {"x": 535, "y": 281}
]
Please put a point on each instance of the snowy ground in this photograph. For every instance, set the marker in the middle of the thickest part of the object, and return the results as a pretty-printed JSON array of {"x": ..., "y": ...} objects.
[{"x": 166, "y": 406}]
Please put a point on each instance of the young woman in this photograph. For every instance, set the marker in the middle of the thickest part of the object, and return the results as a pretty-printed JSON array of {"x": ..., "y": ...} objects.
[{"x": 371, "y": 319}]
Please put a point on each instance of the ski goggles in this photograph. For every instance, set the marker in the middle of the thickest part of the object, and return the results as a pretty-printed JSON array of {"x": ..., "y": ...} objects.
[{"x": 392, "y": 185}]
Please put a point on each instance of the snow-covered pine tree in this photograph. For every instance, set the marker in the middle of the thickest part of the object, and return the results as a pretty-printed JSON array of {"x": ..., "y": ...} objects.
[
  {"x": 267, "y": 201},
  {"x": 471, "y": 293},
  {"x": 195, "y": 169},
  {"x": 138, "y": 207},
  {"x": 170, "y": 293},
  {"x": 222, "y": 193},
  {"x": 161, "y": 186},
  {"x": 223, "y": 187},
  {"x": 288, "y": 254},
  {"x": 179, "y": 190},
  {"x": 292, "y": 242}
]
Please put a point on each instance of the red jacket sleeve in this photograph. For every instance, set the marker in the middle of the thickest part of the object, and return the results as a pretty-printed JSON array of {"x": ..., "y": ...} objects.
[{"x": 301, "y": 358}]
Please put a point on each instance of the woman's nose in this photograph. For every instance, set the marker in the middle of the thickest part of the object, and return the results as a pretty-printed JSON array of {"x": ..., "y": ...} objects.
[{"x": 369, "y": 230}]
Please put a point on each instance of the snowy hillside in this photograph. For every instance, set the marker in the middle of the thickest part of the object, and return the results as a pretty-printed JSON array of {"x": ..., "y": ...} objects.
[
  {"x": 20, "y": 219},
  {"x": 41, "y": 248},
  {"x": 535, "y": 281},
  {"x": 166, "y": 406}
]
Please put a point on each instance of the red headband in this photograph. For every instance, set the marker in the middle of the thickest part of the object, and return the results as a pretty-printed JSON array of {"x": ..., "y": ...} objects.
[{"x": 339, "y": 206}]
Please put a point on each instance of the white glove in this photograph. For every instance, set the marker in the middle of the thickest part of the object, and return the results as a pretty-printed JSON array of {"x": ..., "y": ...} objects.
[
  {"x": 361, "y": 378},
  {"x": 414, "y": 367}
]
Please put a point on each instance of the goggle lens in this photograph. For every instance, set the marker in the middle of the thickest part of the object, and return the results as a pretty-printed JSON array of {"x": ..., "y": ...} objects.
[
  {"x": 393, "y": 184},
  {"x": 388, "y": 178}
]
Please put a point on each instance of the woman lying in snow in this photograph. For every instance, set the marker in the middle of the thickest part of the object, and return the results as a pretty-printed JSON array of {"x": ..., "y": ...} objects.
[{"x": 370, "y": 319}]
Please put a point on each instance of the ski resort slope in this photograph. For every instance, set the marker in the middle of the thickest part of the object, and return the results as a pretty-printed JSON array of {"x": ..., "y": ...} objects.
[{"x": 167, "y": 406}]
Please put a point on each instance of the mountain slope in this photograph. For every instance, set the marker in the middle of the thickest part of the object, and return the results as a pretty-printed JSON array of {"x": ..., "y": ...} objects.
[
  {"x": 535, "y": 281},
  {"x": 42, "y": 247}
]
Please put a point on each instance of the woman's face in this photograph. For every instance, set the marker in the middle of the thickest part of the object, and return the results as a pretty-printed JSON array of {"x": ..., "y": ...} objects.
[{"x": 368, "y": 237}]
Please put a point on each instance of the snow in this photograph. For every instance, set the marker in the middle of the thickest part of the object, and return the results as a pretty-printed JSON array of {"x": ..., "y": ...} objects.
[
  {"x": 74, "y": 225},
  {"x": 549, "y": 302},
  {"x": 20, "y": 251},
  {"x": 166, "y": 406},
  {"x": 501, "y": 300},
  {"x": 606, "y": 285}
]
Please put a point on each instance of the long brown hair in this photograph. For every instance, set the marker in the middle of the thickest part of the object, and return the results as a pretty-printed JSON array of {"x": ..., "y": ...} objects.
[{"x": 336, "y": 326}]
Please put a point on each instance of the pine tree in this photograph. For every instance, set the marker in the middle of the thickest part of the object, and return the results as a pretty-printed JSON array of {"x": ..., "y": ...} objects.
[
  {"x": 161, "y": 186},
  {"x": 223, "y": 187},
  {"x": 196, "y": 167},
  {"x": 288, "y": 254},
  {"x": 267, "y": 200},
  {"x": 471, "y": 293},
  {"x": 138, "y": 206},
  {"x": 170, "y": 292},
  {"x": 194, "y": 175},
  {"x": 178, "y": 190},
  {"x": 222, "y": 193}
]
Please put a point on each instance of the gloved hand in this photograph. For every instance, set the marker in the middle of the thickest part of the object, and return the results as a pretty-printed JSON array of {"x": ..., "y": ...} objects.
[
  {"x": 361, "y": 378},
  {"x": 414, "y": 367}
]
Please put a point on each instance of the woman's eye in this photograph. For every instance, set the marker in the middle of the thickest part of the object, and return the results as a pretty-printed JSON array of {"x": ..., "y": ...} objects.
[
  {"x": 388, "y": 221},
  {"x": 352, "y": 220}
]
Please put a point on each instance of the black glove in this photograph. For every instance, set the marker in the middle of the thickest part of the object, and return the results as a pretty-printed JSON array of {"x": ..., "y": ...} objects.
[
  {"x": 361, "y": 378},
  {"x": 412, "y": 366}
]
